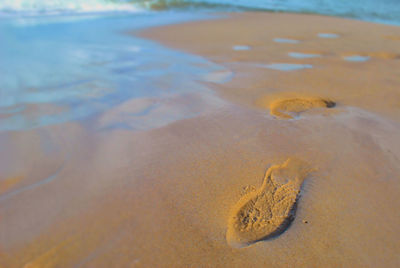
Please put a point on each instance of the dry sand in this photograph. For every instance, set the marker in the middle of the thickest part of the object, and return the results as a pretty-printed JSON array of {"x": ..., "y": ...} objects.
[{"x": 167, "y": 197}]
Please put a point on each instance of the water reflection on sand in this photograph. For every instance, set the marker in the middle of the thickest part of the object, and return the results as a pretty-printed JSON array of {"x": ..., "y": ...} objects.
[{"x": 76, "y": 69}]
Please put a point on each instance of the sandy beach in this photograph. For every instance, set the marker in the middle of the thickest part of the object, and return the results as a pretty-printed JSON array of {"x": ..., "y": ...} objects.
[{"x": 292, "y": 162}]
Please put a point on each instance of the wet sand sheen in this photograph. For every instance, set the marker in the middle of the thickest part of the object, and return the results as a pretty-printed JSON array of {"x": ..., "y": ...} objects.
[
  {"x": 166, "y": 197},
  {"x": 306, "y": 95}
]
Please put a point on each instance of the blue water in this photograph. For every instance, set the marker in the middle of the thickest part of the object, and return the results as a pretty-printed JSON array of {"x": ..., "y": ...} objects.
[
  {"x": 357, "y": 58},
  {"x": 285, "y": 40},
  {"x": 385, "y": 11},
  {"x": 69, "y": 60},
  {"x": 328, "y": 35},
  {"x": 286, "y": 66},
  {"x": 299, "y": 55},
  {"x": 241, "y": 47},
  {"x": 63, "y": 68}
]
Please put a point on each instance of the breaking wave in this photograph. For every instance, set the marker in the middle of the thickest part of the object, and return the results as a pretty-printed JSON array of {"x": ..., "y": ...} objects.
[{"x": 385, "y": 11}]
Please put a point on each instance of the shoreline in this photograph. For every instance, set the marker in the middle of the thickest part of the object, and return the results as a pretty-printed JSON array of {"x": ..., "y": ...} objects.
[
  {"x": 375, "y": 41},
  {"x": 165, "y": 197},
  {"x": 366, "y": 102}
]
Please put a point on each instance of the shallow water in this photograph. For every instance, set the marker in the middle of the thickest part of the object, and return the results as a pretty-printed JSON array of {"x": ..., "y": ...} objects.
[
  {"x": 285, "y": 40},
  {"x": 63, "y": 68},
  {"x": 385, "y": 11},
  {"x": 328, "y": 35},
  {"x": 357, "y": 58},
  {"x": 241, "y": 47},
  {"x": 286, "y": 66},
  {"x": 298, "y": 55}
]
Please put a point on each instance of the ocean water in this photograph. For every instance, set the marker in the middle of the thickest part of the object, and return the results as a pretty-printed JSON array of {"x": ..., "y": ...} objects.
[
  {"x": 70, "y": 60},
  {"x": 385, "y": 11},
  {"x": 57, "y": 68}
]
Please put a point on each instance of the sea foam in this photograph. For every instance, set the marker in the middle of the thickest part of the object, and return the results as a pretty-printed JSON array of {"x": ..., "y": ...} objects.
[{"x": 53, "y": 7}]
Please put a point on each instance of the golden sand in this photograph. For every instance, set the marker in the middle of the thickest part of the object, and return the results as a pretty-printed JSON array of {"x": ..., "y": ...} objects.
[
  {"x": 370, "y": 85},
  {"x": 172, "y": 196},
  {"x": 290, "y": 108},
  {"x": 9, "y": 183},
  {"x": 269, "y": 210}
]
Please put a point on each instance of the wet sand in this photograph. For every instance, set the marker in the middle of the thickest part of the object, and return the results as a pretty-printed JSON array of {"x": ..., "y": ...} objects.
[
  {"x": 74, "y": 196},
  {"x": 371, "y": 85}
]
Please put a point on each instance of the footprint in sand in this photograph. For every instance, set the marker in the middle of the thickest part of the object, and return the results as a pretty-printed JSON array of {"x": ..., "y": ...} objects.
[
  {"x": 384, "y": 55},
  {"x": 291, "y": 108},
  {"x": 393, "y": 37},
  {"x": 268, "y": 211}
]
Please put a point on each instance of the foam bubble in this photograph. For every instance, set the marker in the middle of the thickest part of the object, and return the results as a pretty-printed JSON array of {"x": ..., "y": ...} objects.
[{"x": 53, "y": 7}]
